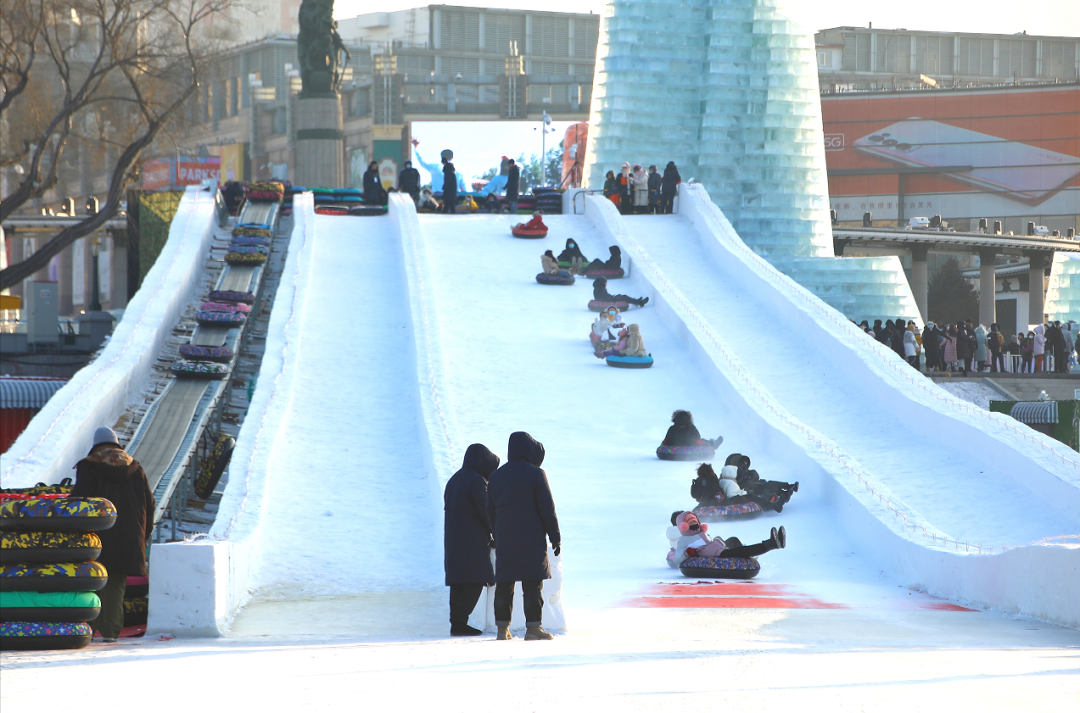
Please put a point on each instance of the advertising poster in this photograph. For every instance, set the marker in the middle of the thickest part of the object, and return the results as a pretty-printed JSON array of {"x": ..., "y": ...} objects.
[
  {"x": 995, "y": 153},
  {"x": 157, "y": 175}
]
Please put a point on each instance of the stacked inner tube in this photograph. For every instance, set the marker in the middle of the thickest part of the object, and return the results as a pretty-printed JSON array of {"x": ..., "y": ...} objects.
[
  {"x": 199, "y": 370},
  {"x": 247, "y": 254},
  {"x": 716, "y": 513},
  {"x": 224, "y": 307},
  {"x": 136, "y": 605},
  {"x": 266, "y": 191},
  {"x": 48, "y": 574},
  {"x": 548, "y": 200}
]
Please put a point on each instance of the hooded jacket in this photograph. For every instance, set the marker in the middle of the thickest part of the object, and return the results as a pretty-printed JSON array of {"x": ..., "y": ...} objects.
[
  {"x": 572, "y": 251},
  {"x": 409, "y": 180},
  {"x": 671, "y": 179},
  {"x": 1040, "y": 341},
  {"x": 691, "y": 538},
  {"x": 980, "y": 343},
  {"x": 641, "y": 188},
  {"x": 635, "y": 345},
  {"x": 522, "y": 514},
  {"x": 549, "y": 264},
  {"x": 466, "y": 532},
  {"x": 612, "y": 263},
  {"x": 109, "y": 472},
  {"x": 449, "y": 182},
  {"x": 682, "y": 431}
]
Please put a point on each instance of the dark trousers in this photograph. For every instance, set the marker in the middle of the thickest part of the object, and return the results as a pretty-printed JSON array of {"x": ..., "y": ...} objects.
[
  {"x": 530, "y": 594},
  {"x": 111, "y": 619},
  {"x": 667, "y": 203},
  {"x": 741, "y": 550},
  {"x": 997, "y": 361},
  {"x": 449, "y": 204},
  {"x": 463, "y": 599}
]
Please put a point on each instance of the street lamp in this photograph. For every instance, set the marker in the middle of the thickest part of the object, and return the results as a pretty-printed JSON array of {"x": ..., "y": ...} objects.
[
  {"x": 95, "y": 250},
  {"x": 543, "y": 148}
]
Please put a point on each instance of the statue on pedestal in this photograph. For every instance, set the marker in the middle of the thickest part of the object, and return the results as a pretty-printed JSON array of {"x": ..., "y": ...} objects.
[{"x": 319, "y": 49}]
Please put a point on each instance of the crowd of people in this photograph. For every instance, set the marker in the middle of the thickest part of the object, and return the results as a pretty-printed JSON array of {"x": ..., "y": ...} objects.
[
  {"x": 965, "y": 347},
  {"x": 635, "y": 190}
]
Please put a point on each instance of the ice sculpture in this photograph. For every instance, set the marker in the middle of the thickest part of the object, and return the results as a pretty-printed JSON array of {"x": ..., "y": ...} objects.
[
  {"x": 728, "y": 90},
  {"x": 1063, "y": 290}
]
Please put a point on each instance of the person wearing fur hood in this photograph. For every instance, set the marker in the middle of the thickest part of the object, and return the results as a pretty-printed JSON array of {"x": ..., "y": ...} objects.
[
  {"x": 690, "y": 538},
  {"x": 1039, "y": 344},
  {"x": 601, "y": 329},
  {"x": 551, "y": 265},
  {"x": 683, "y": 432},
  {"x": 630, "y": 344}
]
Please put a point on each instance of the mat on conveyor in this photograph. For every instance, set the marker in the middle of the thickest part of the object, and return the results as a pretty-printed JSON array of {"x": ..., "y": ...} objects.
[
  {"x": 208, "y": 336},
  {"x": 166, "y": 432},
  {"x": 237, "y": 278}
]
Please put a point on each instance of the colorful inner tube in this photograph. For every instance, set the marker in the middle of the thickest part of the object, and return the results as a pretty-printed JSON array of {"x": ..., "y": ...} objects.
[
  {"x": 716, "y": 513},
  {"x": 224, "y": 307},
  {"x": 250, "y": 241},
  {"x": 249, "y": 230},
  {"x": 206, "y": 317},
  {"x": 199, "y": 370},
  {"x": 59, "y": 490},
  {"x": 49, "y": 606},
  {"x": 58, "y": 514},
  {"x": 135, "y": 611},
  {"x": 545, "y": 279},
  {"x": 598, "y": 306},
  {"x": 685, "y": 453},
  {"x": 136, "y": 586},
  {"x": 519, "y": 231},
  {"x": 720, "y": 567},
  {"x": 231, "y": 296},
  {"x": 213, "y": 466},
  {"x": 605, "y": 272},
  {"x": 630, "y": 362},
  {"x": 17, "y": 546},
  {"x": 40, "y": 636},
  {"x": 53, "y": 577},
  {"x": 234, "y": 257},
  {"x": 199, "y": 353},
  {"x": 331, "y": 210}
]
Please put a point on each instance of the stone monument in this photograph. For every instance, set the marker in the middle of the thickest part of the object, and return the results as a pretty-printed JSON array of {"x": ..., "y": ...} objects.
[{"x": 319, "y": 139}]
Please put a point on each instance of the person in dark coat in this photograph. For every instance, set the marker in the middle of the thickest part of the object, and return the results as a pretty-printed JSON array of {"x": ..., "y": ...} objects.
[
  {"x": 467, "y": 539},
  {"x": 409, "y": 181},
  {"x": 600, "y": 293},
  {"x": 769, "y": 494},
  {"x": 612, "y": 263},
  {"x": 373, "y": 190},
  {"x": 683, "y": 432},
  {"x": 513, "y": 186},
  {"x": 899, "y": 327},
  {"x": 610, "y": 186},
  {"x": 965, "y": 345},
  {"x": 930, "y": 346},
  {"x": 449, "y": 187},
  {"x": 233, "y": 195},
  {"x": 669, "y": 186},
  {"x": 571, "y": 252},
  {"x": 109, "y": 472},
  {"x": 521, "y": 511},
  {"x": 655, "y": 183},
  {"x": 1055, "y": 342}
]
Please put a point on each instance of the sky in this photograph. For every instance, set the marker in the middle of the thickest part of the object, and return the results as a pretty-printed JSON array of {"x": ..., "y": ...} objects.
[
  {"x": 1037, "y": 17},
  {"x": 478, "y": 146}
]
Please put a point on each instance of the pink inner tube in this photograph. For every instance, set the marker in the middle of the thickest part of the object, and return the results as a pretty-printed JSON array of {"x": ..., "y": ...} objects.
[
  {"x": 224, "y": 307},
  {"x": 598, "y": 306}
]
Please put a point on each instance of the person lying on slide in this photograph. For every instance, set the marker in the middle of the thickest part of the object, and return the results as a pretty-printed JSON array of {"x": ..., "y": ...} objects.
[
  {"x": 770, "y": 494},
  {"x": 600, "y": 293},
  {"x": 683, "y": 432},
  {"x": 693, "y": 542}
]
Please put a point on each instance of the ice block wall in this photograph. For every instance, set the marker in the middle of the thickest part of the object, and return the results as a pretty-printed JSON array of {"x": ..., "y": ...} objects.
[{"x": 1063, "y": 291}]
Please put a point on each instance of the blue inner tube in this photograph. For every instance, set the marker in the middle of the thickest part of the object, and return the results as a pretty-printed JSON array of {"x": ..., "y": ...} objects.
[
  {"x": 684, "y": 452},
  {"x": 720, "y": 567},
  {"x": 630, "y": 362},
  {"x": 545, "y": 279}
]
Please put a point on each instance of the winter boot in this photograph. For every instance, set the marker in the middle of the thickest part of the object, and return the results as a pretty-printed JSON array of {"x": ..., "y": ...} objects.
[
  {"x": 464, "y": 630},
  {"x": 537, "y": 633},
  {"x": 779, "y": 538},
  {"x": 504, "y": 634}
]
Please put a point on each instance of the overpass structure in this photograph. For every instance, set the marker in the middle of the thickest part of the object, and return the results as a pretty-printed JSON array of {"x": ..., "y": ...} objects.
[{"x": 1039, "y": 251}]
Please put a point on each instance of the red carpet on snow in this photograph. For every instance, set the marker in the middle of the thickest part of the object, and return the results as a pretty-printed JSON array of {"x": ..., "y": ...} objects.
[{"x": 752, "y": 595}]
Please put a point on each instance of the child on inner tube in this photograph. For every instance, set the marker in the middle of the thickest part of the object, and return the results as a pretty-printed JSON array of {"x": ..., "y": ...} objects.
[
  {"x": 683, "y": 432},
  {"x": 770, "y": 494},
  {"x": 630, "y": 344},
  {"x": 600, "y": 293},
  {"x": 537, "y": 222},
  {"x": 708, "y": 489},
  {"x": 693, "y": 542},
  {"x": 551, "y": 265}
]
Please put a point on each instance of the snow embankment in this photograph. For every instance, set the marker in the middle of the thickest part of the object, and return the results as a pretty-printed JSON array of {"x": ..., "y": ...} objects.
[
  {"x": 1036, "y": 581},
  {"x": 62, "y": 432}
]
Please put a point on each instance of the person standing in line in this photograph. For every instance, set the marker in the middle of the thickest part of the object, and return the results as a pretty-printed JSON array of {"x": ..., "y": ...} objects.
[
  {"x": 611, "y": 189},
  {"x": 1027, "y": 352},
  {"x": 965, "y": 345},
  {"x": 981, "y": 348},
  {"x": 948, "y": 348},
  {"x": 669, "y": 186},
  {"x": 1038, "y": 343},
  {"x": 513, "y": 185},
  {"x": 930, "y": 347},
  {"x": 899, "y": 330},
  {"x": 409, "y": 181},
  {"x": 655, "y": 182},
  {"x": 625, "y": 181},
  {"x": 995, "y": 343},
  {"x": 373, "y": 189},
  {"x": 911, "y": 346},
  {"x": 1060, "y": 349},
  {"x": 521, "y": 511},
  {"x": 467, "y": 542},
  {"x": 449, "y": 186},
  {"x": 109, "y": 472},
  {"x": 641, "y": 189}
]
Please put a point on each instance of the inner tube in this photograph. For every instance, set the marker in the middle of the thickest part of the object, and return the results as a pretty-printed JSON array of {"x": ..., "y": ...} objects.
[
  {"x": 611, "y": 274},
  {"x": 720, "y": 567},
  {"x": 716, "y": 513},
  {"x": 598, "y": 306},
  {"x": 53, "y": 577},
  {"x": 253, "y": 230},
  {"x": 199, "y": 353},
  {"x": 199, "y": 370},
  {"x": 58, "y": 514},
  {"x": 685, "y": 452},
  {"x": 18, "y": 546},
  {"x": 262, "y": 239},
  {"x": 135, "y": 610},
  {"x": 49, "y": 606},
  {"x": 224, "y": 307},
  {"x": 39, "y": 636},
  {"x": 212, "y": 467},
  {"x": 234, "y": 257},
  {"x": 60, "y": 490},
  {"x": 207, "y": 317},
  {"x": 231, "y": 296},
  {"x": 331, "y": 210},
  {"x": 136, "y": 586},
  {"x": 519, "y": 231},
  {"x": 545, "y": 279},
  {"x": 630, "y": 362}
]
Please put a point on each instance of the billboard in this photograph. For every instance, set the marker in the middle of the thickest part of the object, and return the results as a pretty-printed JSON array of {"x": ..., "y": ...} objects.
[
  {"x": 996, "y": 153},
  {"x": 163, "y": 174}
]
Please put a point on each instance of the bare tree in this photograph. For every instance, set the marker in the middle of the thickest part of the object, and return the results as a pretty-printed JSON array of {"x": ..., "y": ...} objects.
[{"x": 113, "y": 74}]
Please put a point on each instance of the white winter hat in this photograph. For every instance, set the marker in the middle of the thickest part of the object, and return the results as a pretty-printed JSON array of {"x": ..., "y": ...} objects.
[
  {"x": 729, "y": 472},
  {"x": 105, "y": 435}
]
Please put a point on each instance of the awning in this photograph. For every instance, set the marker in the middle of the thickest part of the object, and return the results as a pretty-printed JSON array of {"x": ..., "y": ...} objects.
[
  {"x": 1035, "y": 412},
  {"x": 27, "y": 391}
]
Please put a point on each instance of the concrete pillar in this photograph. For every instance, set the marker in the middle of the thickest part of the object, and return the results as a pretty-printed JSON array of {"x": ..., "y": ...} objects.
[
  {"x": 1037, "y": 285},
  {"x": 987, "y": 288},
  {"x": 319, "y": 143},
  {"x": 920, "y": 279}
]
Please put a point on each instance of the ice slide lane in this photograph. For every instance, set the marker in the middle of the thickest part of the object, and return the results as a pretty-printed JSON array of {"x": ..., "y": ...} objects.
[
  {"x": 351, "y": 480},
  {"x": 972, "y": 487}
]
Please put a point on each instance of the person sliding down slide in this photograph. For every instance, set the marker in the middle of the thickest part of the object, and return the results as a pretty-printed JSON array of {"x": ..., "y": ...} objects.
[
  {"x": 769, "y": 494},
  {"x": 551, "y": 265},
  {"x": 537, "y": 222},
  {"x": 683, "y": 432},
  {"x": 693, "y": 542},
  {"x": 630, "y": 344},
  {"x": 600, "y": 293},
  {"x": 573, "y": 255}
]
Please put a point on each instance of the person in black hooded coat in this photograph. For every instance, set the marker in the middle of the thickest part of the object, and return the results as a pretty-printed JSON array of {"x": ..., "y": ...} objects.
[
  {"x": 571, "y": 252},
  {"x": 612, "y": 263},
  {"x": 467, "y": 539},
  {"x": 769, "y": 494},
  {"x": 669, "y": 186},
  {"x": 683, "y": 432},
  {"x": 521, "y": 511},
  {"x": 600, "y": 294},
  {"x": 373, "y": 190}
]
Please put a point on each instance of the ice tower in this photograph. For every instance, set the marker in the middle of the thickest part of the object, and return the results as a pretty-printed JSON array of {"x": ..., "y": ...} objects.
[{"x": 728, "y": 90}]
